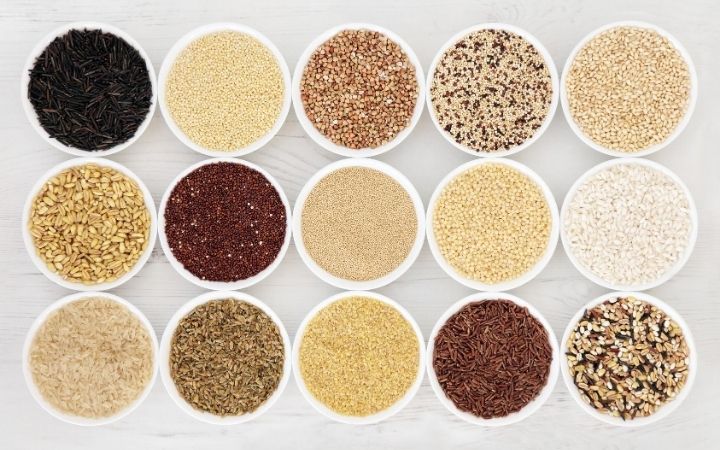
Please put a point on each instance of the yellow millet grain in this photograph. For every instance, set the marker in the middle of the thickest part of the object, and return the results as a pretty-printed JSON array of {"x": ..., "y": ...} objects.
[
  {"x": 225, "y": 91},
  {"x": 358, "y": 356},
  {"x": 628, "y": 88},
  {"x": 492, "y": 223},
  {"x": 358, "y": 224},
  {"x": 90, "y": 224}
]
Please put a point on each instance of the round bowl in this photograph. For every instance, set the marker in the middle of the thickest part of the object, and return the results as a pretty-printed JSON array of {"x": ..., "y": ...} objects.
[
  {"x": 27, "y": 373},
  {"x": 553, "y": 79},
  {"x": 638, "y": 287},
  {"x": 30, "y": 246},
  {"x": 527, "y": 276},
  {"x": 665, "y": 410},
  {"x": 30, "y": 111},
  {"x": 355, "y": 420},
  {"x": 220, "y": 285},
  {"x": 318, "y": 137},
  {"x": 528, "y": 409},
  {"x": 341, "y": 282},
  {"x": 680, "y": 126},
  {"x": 166, "y": 343},
  {"x": 181, "y": 45}
]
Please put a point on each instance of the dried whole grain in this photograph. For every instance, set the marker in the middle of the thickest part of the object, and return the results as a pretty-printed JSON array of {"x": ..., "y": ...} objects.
[
  {"x": 492, "y": 223},
  {"x": 627, "y": 357},
  {"x": 90, "y": 224},
  {"x": 225, "y": 91},
  {"x": 91, "y": 358},
  {"x": 225, "y": 222},
  {"x": 227, "y": 357},
  {"x": 492, "y": 358},
  {"x": 358, "y": 224},
  {"x": 491, "y": 90},
  {"x": 628, "y": 224},
  {"x": 628, "y": 88},
  {"x": 359, "y": 356},
  {"x": 359, "y": 89}
]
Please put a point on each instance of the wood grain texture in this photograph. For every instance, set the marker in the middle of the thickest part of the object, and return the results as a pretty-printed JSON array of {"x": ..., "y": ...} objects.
[{"x": 425, "y": 158}]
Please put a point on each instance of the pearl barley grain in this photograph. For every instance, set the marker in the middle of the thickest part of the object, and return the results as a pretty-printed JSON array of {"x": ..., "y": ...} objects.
[
  {"x": 628, "y": 88},
  {"x": 492, "y": 223},
  {"x": 225, "y": 91}
]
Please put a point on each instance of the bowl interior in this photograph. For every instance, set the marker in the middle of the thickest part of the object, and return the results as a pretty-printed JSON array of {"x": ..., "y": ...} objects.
[
  {"x": 553, "y": 79},
  {"x": 318, "y": 137},
  {"x": 539, "y": 265},
  {"x": 664, "y": 410},
  {"x": 181, "y": 45},
  {"x": 350, "y": 284},
  {"x": 30, "y": 246},
  {"x": 528, "y": 409},
  {"x": 35, "y": 392},
  {"x": 358, "y": 420},
  {"x": 30, "y": 111}
]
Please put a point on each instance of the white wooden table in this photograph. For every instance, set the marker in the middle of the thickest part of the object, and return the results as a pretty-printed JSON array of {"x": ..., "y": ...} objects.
[{"x": 425, "y": 290}]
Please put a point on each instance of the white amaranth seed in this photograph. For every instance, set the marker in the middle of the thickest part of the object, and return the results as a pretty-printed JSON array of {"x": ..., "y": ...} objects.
[{"x": 628, "y": 224}]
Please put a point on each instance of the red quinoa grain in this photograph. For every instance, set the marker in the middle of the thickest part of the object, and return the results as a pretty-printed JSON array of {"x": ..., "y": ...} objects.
[{"x": 225, "y": 222}]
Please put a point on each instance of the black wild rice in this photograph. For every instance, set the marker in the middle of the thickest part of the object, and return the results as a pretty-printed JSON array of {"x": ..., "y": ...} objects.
[
  {"x": 492, "y": 358},
  {"x": 91, "y": 90}
]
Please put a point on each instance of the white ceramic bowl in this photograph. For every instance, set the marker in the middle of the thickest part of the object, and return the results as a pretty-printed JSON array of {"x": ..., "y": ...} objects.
[
  {"x": 164, "y": 358},
  {"x": 30, "y": 246},
  {"x": 358, "y": 420},
  {"x": 181, "y": 45},
  {"x": 637, "y": 287},
  {"x": 219, "y": 285},
  {"x": 528, "y": 409},
  {"x": 351, "y": 284},
  {"x": 30, "y": 111},
  {"x": 666, "y": 409},
  {"x": 552, "y": 240},
  {"x": 680, "y": 126},
  {"x": 42, "y": 318},
  {"x": 318, "y": 137},
  {"x": 553, "y": 79}
]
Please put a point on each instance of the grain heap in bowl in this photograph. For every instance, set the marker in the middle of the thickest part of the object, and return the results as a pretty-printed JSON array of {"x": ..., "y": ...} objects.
[
  {"x": 628, "y": 88},
  {"x": 627, "y": 358},
  {"x": 358, "y": 356},
  {"x": 358, "y": 224},
  {"x": 628, "y": 225},
  {"x": 492, "y": 358},
  {"x": 359, "y": 89},
  {"x": 225, "y": 222},
  {"x": 226, "y": 357},
  {"x": 225, "y": 91},
  {"x": 492, "y": 223},
  {"x": 491, "y": 91},
  {"x": 90, "y": 224},
  {"x": 91, "y": 358},
  {"x": 90, "y": 90}
]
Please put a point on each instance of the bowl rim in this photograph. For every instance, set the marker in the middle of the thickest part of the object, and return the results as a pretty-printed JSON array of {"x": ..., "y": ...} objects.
[
  {"x": 180, "y": 45},
  {"x": 42, "y": 318},
  {"x": 30, "y": 245},
  {"x": 222, "y": 285},
  {"x": 668, "y": 407},
  {"x": 319, "y": 138},
  {"x": 164, "y": 356},
  {"x": 526, "y": 410},
  {"x": 537, "y": 268},
  {"x": 30, "y": 110},
  {"x": 379, "y": 416},
  {"x": 385, "y": 169},
  {"x": 692, "y": 100},
  {"x": 554, "y": 80},
  {"x": 669, "y": 274}
]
